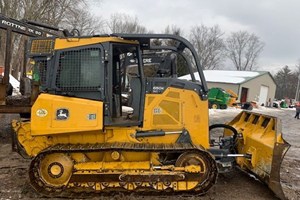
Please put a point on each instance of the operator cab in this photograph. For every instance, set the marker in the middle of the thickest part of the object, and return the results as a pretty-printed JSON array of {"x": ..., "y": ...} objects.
[{"x": 119, "y": 70}]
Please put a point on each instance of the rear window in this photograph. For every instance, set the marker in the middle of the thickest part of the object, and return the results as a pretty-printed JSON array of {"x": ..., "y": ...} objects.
[{"x": 79, "y": 70}]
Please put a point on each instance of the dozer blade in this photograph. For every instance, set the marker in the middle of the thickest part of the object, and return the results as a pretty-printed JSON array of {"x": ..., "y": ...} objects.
[{"x": 260, "y": 136}]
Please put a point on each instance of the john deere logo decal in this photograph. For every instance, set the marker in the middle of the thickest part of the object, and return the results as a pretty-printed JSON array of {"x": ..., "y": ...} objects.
[{"x": 62, "y": 114}]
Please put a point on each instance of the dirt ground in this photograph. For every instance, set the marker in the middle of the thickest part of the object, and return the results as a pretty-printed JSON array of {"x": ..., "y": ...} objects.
[{"x": 234, "y": 185}]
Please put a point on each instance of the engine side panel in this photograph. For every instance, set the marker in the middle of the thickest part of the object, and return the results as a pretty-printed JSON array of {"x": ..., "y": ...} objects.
[
  {"x": 53, "y": 114},
  {"x": 177, "y": 109}
]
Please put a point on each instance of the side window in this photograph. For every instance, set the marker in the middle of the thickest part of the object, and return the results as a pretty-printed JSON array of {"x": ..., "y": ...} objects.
[{"x": 79, "y": 70}]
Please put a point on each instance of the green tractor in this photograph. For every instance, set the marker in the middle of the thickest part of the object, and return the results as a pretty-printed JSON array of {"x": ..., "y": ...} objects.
[{"x": 218, "y": 98}]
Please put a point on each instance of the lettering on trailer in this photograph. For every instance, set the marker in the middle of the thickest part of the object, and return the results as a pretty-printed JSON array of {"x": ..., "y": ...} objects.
[
  {"x": 35, "y": 32},
  {"x": 13, "y": 25},
  {"x": 20, "y": 27}
]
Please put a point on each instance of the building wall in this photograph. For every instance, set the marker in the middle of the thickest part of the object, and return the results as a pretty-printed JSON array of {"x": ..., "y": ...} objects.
[
  {"x": 225, "y": 86},
  {"x": 254, "y": 87}
]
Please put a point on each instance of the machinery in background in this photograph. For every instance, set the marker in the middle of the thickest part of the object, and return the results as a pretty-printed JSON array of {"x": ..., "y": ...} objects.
[
  {"x": 233, "y": 98},
  {"x": 31, "y": 29},
  {"x": 218, "y": 98}
]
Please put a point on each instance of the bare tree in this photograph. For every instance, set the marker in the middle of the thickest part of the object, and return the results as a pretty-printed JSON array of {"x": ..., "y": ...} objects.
[
  {"x": 52, "y": 12},
  {"x": 209, "y": 45},
  {"x": 84, "y": 22},
  {"x": 10, "y": 8},
  {"x": 243, "y": 49},
  {"x": 123, "y": 23},
  {"x": 181, "y": 65},
  {"x": 173, "y": 29}
]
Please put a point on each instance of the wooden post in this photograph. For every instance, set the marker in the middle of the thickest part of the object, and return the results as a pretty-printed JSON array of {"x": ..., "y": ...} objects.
[
  {"x": 7, "y": 57},
  {"x": 5, "y": 80}
]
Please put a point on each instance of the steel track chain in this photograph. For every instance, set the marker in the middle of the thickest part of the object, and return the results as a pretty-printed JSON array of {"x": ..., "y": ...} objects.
[{"x": 47, "y": 190}]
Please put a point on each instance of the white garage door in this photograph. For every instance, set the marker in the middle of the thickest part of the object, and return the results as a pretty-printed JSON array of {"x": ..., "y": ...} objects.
[{"x": 263, "y": 95}]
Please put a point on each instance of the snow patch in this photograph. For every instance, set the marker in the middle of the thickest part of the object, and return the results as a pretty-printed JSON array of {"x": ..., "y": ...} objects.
[{"x": 14, "y": 82}]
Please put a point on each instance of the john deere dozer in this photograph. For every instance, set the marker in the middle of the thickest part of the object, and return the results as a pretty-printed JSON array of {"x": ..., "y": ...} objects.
[{"x": 83, "y": 136}]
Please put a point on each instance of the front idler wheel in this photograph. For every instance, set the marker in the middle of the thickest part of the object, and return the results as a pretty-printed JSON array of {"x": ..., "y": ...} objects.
[
  {"x": 206, "y": 172},
  {"x": 56, "y": 169}
]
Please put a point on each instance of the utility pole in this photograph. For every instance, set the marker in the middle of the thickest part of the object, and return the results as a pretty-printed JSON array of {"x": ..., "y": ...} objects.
[{"x": 297, "y": 90}]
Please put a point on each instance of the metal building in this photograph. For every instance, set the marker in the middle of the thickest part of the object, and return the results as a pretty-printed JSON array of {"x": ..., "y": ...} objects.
[{"x": 256, "y": 86}]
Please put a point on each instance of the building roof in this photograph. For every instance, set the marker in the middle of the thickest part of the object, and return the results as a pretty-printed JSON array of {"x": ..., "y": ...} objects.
[{"x": 222, "y": 76}]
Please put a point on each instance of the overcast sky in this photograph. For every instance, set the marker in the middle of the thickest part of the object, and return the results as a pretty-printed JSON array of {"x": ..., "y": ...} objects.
[{"x": 276, "y": 22}]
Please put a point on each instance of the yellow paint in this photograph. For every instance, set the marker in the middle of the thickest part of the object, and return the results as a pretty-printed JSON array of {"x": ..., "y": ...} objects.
[
  {"x": 233, "y": 98},
  {"x": 192, "y": 169},
  {"x": 174, "y": 110},
  {"x": 56, "y": 169},
  {"x": 259, "y": 140},
  {"x": 177, "y": 109},
  {"x": 77, "y": 121},
  {"x": 115, "y": 155},
  {"x": 31, "y": 145},
  {"x": 63, "y": 43},
  {"x": 94, "y": 166},
  {"x": 79, "y": 157}
]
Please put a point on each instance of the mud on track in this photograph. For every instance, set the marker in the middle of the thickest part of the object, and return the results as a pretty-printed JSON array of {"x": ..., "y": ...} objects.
[{"x": 236, "y": 185}]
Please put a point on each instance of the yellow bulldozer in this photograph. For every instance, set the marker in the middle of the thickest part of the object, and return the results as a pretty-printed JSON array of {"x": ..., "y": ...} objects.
[{"x": 82, "y": 136}]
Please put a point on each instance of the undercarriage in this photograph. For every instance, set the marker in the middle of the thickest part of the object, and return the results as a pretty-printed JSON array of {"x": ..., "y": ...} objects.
[{"x": 73, "y": 168}]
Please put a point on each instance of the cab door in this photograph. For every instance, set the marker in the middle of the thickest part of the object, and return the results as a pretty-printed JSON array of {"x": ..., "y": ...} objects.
[{"x": 125, "y": 86}]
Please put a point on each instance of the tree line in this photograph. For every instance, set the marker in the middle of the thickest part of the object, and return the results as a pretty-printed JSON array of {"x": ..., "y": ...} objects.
[
  {"x": 287, "y": 80},
  {"x": 213, "y": 46},
  {"x": 242, "y": 48}
]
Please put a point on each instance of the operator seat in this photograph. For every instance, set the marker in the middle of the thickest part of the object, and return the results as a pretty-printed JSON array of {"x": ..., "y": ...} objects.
[{"x": 135, "y": 95}]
